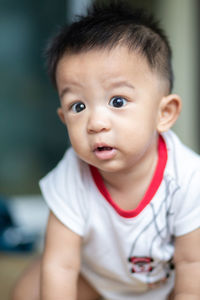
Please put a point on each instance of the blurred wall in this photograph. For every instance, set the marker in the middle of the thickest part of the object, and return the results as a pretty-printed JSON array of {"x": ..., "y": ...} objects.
[
  {"x": 31, "y": 136},
  {"x": 180, "y": 19},
  {"x": 76, "y": 7}
]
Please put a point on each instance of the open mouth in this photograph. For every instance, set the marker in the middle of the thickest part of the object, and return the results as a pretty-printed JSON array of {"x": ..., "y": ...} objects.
[
  {"x": 104, "y": 152},
  {"x": 104, "y": 148}
]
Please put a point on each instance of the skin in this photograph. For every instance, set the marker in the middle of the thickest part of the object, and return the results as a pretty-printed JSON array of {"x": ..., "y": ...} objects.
[{"x": 112, "y": 99}]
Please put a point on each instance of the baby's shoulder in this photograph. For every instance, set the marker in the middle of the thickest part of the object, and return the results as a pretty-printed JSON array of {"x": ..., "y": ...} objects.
[
  {"x": 183, "y": 163},
  {"x": 71, "y": 169}
]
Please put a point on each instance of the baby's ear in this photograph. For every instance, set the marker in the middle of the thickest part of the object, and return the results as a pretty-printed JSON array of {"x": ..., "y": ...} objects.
[
  {"x": 169, "y": 110},
  {"x": 61, "y": 114}
]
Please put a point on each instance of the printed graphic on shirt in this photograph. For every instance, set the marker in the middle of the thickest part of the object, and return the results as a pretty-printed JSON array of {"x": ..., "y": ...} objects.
[
  {"x": 156, "y": 232},
  {"x": 141, "y": 264},
  {"x": 147, "y": 265}
]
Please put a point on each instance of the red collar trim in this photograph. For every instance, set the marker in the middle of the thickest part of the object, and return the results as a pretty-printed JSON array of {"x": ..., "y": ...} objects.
[{"x": 152, "y": 189}]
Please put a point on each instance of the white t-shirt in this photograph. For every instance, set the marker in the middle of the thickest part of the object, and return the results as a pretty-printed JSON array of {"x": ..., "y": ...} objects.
[{"x": 127, "y": 255}]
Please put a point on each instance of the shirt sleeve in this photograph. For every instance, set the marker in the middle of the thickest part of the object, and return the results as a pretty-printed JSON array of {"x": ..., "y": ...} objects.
[
  {"x": 187, "y": 209},
  {"x": 64, "y": 192}
]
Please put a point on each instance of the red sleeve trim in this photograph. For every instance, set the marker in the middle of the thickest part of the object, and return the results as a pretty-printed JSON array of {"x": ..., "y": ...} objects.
[{"x": 152, "y": 189}]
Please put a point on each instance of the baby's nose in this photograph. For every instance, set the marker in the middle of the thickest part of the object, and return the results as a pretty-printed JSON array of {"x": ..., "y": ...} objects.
[{"x": 98, "y": 121}]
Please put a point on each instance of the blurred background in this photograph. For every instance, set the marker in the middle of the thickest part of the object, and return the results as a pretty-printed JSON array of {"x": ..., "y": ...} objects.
[{"x": 32, "y": 139}]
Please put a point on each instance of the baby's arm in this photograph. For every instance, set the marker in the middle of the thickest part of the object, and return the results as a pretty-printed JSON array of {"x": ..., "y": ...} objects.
[
  {"x": 61, "y": 262},
  {"x": 187, "y": 262}
]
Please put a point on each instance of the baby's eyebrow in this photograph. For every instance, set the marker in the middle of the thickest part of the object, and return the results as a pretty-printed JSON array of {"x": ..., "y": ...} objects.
[
  {"x": 64, "y": 91},
  {"x": 121, "y": 83},
  {"x": 68, "y": 89},
  {"x": 114, "y": 84}
]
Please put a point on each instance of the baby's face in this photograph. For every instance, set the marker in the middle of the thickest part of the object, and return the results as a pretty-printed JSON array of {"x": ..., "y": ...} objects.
[{"x": 110, "y": 103}]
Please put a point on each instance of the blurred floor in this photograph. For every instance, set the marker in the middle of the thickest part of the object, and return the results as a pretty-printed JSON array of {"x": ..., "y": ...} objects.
[
  {"x": 11, "y": 267},
  {"x": 30, "y": 213}
]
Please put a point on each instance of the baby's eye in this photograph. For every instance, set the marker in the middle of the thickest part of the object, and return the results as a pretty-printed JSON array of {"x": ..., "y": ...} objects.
[
  {"x": 78, "y": 107},
  {"x": 117, "y": 102}
]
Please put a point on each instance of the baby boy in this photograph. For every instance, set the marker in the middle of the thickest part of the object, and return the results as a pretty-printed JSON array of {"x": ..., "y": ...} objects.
[{"x": 125, "y": 199}]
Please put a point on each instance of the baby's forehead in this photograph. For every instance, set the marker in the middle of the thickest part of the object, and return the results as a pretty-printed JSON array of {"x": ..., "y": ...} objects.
[
  {"x": 109, "y": 67},
  {"x": 107, "y": 60},
  {"x": 110, "y": 56}
]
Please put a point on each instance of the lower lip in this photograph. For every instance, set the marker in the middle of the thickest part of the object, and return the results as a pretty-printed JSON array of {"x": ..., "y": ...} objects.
[{"x": 105, "y": 154}]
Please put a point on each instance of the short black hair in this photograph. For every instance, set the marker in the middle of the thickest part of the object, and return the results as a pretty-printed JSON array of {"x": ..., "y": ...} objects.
[{"x": 107, "y": 25}]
